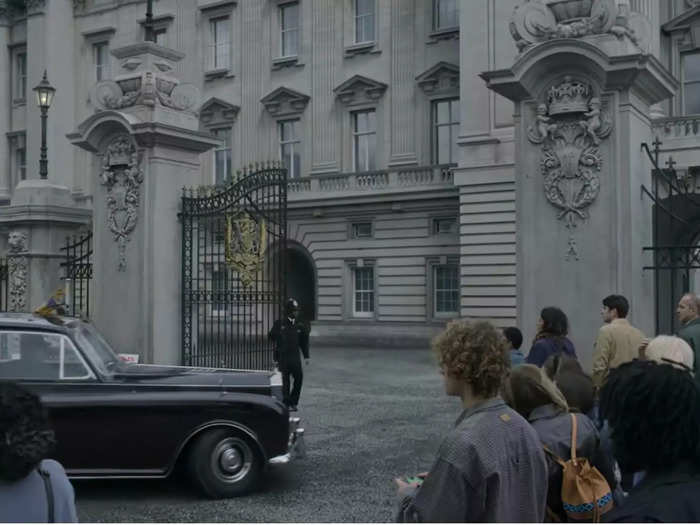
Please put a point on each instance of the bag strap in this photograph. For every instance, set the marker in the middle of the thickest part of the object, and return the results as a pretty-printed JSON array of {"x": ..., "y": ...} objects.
[
  {"x": 573, "y": 437},
  {"x": 49, "y": 493},
  {"x": 554, "y": 456}
]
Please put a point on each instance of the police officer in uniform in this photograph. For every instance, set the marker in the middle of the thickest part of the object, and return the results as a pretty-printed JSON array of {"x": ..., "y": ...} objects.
[{"x": 290, "y": 336}]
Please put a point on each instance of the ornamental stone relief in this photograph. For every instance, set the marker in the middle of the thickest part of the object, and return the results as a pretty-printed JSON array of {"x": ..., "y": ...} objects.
[
  {"x": 147, "y": 89},
  {"x": 122, "y": 176},
  {"x": 17, "y": 271},
  {"x": 569, "y": 127}
]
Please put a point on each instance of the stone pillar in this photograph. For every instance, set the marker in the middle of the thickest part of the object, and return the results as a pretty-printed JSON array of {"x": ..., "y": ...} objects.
[
  {"x": 582, "y": 112},
  {"x": 147, "y": 146}
]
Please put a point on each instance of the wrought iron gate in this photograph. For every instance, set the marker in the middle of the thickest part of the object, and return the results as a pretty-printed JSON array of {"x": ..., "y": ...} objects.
[
  {"x": 4, "y": 284},
  {"x": 233, "y": 269},
  {"x": 77, "y": 274},
  {"x": 676, "y": 227}
]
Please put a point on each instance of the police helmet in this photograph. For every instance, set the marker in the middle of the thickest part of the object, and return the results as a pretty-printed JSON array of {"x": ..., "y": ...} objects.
[{"x": 291, "y": 305}]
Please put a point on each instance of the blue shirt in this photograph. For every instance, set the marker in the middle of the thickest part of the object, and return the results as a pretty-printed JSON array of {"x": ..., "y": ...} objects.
[
  {"x": 516, "y": 358},
  {"x": 547, "y": 346}
]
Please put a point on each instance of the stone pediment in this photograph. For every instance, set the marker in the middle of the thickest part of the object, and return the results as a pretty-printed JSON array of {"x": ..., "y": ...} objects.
[
  {"x": 443, "y": 77},
  {"x": 284, "y": 101},
  {"x": 217, "y": 113},
  {"x": 359, "y": 90},
  {"x": 686, "y": 22}
]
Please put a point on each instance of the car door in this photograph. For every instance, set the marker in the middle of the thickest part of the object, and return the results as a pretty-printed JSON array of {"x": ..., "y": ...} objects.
[{"x": 49, "y": 364}]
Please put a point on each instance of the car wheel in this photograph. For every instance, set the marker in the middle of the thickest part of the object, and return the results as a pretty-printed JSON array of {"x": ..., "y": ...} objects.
[{"x": 224, "y": 463}]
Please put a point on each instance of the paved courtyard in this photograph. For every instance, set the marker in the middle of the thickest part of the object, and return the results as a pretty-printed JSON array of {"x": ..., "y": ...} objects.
[{"x": 369, "y": 415}]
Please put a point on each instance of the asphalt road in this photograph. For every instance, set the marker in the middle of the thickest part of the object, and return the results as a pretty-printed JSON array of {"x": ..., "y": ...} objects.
[{"x": 369, "y": 415}]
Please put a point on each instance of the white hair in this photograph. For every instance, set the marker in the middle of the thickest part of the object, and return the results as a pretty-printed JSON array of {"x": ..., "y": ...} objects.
[{"x": 670, "y": 350}]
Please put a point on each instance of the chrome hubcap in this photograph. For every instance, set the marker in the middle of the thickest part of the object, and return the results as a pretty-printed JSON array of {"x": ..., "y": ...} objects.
[{"x": 231, "y": 459}]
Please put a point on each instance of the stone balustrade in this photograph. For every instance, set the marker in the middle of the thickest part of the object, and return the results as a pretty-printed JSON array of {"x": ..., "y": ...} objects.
[
  {"x": 677, "y": 127},
  {"x": 393, "y": 179}
]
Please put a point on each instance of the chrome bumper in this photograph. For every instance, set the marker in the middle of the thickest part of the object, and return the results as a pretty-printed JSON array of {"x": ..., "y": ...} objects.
[{"x": 296, "y": 448}]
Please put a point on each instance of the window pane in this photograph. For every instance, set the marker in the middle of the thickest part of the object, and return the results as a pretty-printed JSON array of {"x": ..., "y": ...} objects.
[
  {"x": 442, "y": 112},
  {"x": 371, "y": 151},
  {"x": 296, "y": 167},
  {"x": 364, "y": 7},
  {"x": 447, "y": 14},
  {"x": 30, "y": 356},
  {"x": 443, "y": 145},
  {"x": 454, "y": 110},
  {"x": 21, "y": 163},
  {"x": 692, "y": 98},
  {"x": 361, "y": 121},
  {"x": 290, "y": 16},
  {"x": 446, "y": 282},
  {"x": 691, "y": 66}
]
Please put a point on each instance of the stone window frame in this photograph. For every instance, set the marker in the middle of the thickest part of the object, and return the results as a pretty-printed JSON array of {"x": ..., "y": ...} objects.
[
  {"x": 431, "y": 263},
  {"x": 223, "y": 147},
  {"x": 224, "y": 116},
  {"x": 161, "y": 26},
  {"x": 433, "y": 130},
  {"x": 351, "y": 48},
  {"x": 349, "y": 289},
  {"x": 279, "y": 61},
  {"x": 436, "y": 34},
  {"x": 15, "y": 51},
  {"x": 683, "y": 81},
  {"x": 92, "y": 38},
  {"x": 352, "y": 222},
  {"x": 17, "y": 140},
  {"x": 210, "y": 12},
  {"x": 297, "y": 142},
  {"x": 435, "y": 218},
  {"x": 355, "y": 136}
]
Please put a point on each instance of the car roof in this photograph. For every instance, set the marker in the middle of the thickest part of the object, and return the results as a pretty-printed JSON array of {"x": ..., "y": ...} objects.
[{"x": 32, "y": 321}]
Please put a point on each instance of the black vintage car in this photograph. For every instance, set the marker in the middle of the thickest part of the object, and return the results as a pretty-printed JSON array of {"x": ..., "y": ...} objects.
[{"x": 119, "y": 420}]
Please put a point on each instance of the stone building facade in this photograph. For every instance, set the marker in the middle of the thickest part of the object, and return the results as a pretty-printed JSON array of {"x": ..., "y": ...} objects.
[{"x": 402, "y": 198}]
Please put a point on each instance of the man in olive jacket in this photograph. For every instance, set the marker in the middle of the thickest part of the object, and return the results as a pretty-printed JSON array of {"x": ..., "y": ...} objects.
[
  {"x": 290, "y": 336},
  {"x": 688, "y": 312}
]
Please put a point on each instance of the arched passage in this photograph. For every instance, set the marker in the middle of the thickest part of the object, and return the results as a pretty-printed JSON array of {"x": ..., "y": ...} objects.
[{"x": 301, "y": 279}]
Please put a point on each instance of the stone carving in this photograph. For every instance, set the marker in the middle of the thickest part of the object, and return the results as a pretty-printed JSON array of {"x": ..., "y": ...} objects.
[
  {"x": 148, "y": 90},
  {"x": 570, "y": 127},
  {"x": 244, "y": 246},
  {"x": 572, "y": 251},
  {"x": 122, "y": 176},
  {"x": 17, "y": 271},
  {"x": 541, "y": 20}
]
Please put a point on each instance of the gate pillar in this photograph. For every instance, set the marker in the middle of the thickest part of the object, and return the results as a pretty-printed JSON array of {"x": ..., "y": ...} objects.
[
  {"x": 146, "y": 149},
  {"x": 583, "y": 88}
]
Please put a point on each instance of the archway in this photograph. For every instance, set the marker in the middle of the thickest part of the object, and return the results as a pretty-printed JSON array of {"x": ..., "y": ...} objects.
[{"x": 301, "y": 279}]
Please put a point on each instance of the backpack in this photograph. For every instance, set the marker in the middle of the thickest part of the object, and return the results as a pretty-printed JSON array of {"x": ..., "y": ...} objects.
[{"x": 585, "y": 493}]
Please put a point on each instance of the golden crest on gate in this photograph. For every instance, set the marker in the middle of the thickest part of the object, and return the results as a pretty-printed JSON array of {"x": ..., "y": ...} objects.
[{"x": 244, "y": 245}]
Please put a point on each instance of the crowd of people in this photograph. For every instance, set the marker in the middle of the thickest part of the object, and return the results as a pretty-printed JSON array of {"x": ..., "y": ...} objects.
[{"x": 540, "y": 440}]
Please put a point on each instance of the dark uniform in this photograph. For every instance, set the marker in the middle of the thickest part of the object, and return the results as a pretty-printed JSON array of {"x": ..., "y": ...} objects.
[{"x": 290, "y": 336}]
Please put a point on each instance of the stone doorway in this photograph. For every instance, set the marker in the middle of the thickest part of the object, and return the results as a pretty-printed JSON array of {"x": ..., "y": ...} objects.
[{"x": 301, "y": 279}]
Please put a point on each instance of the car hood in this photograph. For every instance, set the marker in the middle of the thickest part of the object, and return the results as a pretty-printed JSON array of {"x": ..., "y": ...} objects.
[{"x": 185, "y": 375}]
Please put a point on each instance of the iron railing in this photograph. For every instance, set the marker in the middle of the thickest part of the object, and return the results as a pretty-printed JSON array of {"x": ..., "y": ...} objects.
[
  {"x": 4, "y": 284},
  {"x": 77, "y": 274}
]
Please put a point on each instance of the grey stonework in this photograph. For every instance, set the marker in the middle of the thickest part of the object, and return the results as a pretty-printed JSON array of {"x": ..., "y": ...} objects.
[{"x": 401, "y": 73}]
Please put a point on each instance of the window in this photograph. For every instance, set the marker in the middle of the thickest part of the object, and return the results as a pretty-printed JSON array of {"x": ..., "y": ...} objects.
[
  {"x": 159, "y": 36},
  {"x": 364, "y": 21},
  {"x": 446, "y": 289},
  {"x": 289, "y": 22},
  {"x": 691, "y": 83},
  {"x": 101, "y": 54},
  {"x": 21, "y": 76},
  {"x": 290, "y": 147},
  {"x": 445, "y": 131},
  {"x": 40, "y": 356},
  {"x": 444, "y": 225},
  {"x": 361, "y": 230},
  {"x": 445, "y": 14},
  {"x": 363, "y": 292},
  {"x": 364, "y": 140},
  {"x": 219, "y": 43},
  {"x": 222, "y": 156},
  {"x": 21, "y": 164}
]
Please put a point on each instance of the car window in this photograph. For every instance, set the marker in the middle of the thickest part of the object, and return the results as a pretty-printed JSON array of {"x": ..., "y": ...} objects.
[{"x": 40, "y": 356}]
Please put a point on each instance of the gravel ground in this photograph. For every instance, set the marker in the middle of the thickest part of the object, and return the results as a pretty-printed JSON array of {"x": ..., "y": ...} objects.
[{"x": 369, "y": 415}]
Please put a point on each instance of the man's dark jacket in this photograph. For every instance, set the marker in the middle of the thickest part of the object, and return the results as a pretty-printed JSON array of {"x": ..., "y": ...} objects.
[
  {"x": 289, "y": 338},
  {"x": 670, "y": 498},
  {"x": 691, "y": 334}
]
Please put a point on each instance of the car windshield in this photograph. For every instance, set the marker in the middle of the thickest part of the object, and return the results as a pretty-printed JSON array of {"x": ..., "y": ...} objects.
[{"x": 93, "y": 343}]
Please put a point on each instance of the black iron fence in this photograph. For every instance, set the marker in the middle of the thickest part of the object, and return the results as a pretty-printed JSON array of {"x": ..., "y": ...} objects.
[
  {"x": 4, "y": 284},
  {"x": 77, "y": 274},
  {"x": 233, "y": 269}
]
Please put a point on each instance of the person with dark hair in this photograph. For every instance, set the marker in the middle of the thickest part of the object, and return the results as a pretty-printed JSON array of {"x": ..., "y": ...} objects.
[
  {"x": 572, "y": 381},
  {"x": 515, "y": 338},
  {"x": 534, "y": 396},
  {"x": 32, "y": 488},
  {"x": 290, "y": 336},
  {"x": 654, "y": 413},
  {"x": 617, "y": 342},
  {"x": 552, "y": 329},
  {"x": 490, "y": 467},
  {"x": 688, "y": 312}
]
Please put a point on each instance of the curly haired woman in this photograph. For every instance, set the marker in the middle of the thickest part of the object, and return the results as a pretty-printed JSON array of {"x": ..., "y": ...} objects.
[
  {"x": 490, "y": 467},
  {"x": 32, "y": 489}
]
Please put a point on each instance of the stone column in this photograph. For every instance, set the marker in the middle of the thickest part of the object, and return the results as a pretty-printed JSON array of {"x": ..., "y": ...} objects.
[
  {"x": 147, "y": 146},
  {"x": 582, "y": 112}
]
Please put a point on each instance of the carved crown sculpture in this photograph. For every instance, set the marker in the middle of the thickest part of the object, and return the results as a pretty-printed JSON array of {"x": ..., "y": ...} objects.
[
  {"x": 570, "y": 96},
  {"x": 541, "y": 20}
]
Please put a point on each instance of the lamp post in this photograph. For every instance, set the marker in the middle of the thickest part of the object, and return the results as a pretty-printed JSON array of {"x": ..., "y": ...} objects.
[{"x": 44, "y": 96}]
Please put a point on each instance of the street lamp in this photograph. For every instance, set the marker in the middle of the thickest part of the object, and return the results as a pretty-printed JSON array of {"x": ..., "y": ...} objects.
[{"x": 44, "y": 96}]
